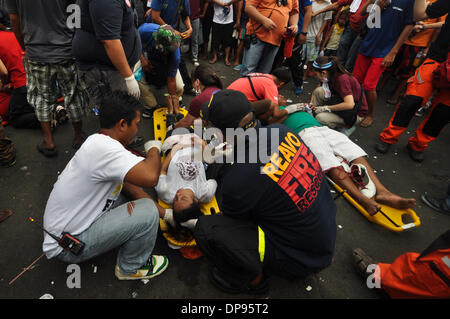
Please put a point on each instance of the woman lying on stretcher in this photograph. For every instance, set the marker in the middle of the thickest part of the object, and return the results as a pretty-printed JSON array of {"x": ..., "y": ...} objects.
[
  {"x": 345, "y": 163},
  {"x": 183, "y": 182}
]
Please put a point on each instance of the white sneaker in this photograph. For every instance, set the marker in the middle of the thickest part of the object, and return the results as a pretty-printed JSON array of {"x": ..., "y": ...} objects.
[
  {"x": 195, "y": 61},
  {"x": 152, "y": 268},
  {"x": 360, "y": 176}
]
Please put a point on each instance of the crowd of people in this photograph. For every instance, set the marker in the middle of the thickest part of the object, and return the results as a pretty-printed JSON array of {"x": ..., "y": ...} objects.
[{"x": 276, "y": 213}]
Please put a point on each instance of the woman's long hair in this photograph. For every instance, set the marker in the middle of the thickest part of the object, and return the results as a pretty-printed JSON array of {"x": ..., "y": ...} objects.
[
  {"x": 207, "y": 76},
  {"x": 336, "y": 66}
]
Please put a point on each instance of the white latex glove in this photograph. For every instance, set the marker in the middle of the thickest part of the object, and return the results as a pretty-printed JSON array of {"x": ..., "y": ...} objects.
[
  {"x": 152, "y": 143},
  {"x": 212, "y": 153},
  {"x": 133, "y": 86},
  {"x": 190, "y": 224},
  {"x": 321, "y": 109},
  {"x": 168, "y": 217},
  {"x": 295, "y": 107}
]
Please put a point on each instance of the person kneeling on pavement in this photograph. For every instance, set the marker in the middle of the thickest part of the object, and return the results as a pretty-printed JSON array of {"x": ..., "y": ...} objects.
[
  {"x": 339, "y": 102},
  {"x": 86, "y": 199},
  {"x": 277, "y": 214},
  {"x": 162, "y": 44}
]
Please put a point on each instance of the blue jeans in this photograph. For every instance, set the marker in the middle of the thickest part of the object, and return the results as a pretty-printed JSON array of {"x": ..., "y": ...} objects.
[
  {"x": 258, "y": 58},
  {"x": 135, "y": 234},
  {"x": 195, "y": 38},
  {"x": 345, "y": 43},
  {"x": 353, "y": 54}
]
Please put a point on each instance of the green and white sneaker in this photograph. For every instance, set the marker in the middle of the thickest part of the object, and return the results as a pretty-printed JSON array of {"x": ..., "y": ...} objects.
[{"x": 153, "y": 267}]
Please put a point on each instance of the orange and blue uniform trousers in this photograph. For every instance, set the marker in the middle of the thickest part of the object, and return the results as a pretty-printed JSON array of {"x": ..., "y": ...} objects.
[{"x": 420, "y": 88}]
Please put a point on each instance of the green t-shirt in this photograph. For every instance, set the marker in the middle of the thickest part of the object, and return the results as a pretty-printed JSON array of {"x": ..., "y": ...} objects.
[{"x": 298, "y": 121}]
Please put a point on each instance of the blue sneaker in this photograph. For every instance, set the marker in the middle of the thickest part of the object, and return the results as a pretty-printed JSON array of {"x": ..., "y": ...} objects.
[
  {"x": 238, "y": 67},
  {"x": 298, "y": 90}
]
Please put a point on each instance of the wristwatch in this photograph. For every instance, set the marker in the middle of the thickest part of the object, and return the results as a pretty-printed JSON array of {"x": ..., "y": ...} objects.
[{"x": 304, "y": 33}]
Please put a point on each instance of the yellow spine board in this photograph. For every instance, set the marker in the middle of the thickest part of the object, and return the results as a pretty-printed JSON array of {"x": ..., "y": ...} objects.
[
  {"x": 388, "y": 217},
  {"x": 160, "y": 131}
]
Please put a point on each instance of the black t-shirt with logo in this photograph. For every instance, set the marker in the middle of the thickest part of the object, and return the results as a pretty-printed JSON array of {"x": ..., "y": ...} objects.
[
  {"x": 106, "y": 20},
  {"x": 286, "y": 194}
]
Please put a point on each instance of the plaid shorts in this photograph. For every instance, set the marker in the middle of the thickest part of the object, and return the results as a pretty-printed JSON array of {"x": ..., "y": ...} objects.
[
  {"x": 310, "y": 51},
  {"x": 43, "y": 82}
]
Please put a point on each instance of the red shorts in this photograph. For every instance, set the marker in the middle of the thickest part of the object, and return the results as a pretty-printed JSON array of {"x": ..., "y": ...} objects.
[{"x": 368, "y": 71}]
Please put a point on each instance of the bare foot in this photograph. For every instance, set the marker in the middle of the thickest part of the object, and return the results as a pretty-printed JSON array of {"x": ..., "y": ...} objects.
[
  {"x": 371, "y": 206},
  {"x": 227, "y": 63},
  {"x": 368, "y": 121},
  {"x": 214, "y": 60},
  {"x": 390, "y": 199}
]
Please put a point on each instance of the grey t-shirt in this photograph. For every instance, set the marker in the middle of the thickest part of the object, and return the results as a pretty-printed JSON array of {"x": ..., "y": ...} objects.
[{"x": 43, "y": 25}]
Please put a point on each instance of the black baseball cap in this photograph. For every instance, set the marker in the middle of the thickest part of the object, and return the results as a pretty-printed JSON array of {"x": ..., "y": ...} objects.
[{"x": 226, "y": 109}]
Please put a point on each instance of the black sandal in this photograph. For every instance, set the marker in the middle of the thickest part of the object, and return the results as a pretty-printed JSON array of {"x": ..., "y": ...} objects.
[
  {"x": 48, "y": 152},
  {"x": 76, "y": 146}
]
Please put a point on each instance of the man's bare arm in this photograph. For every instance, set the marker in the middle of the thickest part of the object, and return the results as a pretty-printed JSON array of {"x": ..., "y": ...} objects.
[
  {"x": 330, "y": 7},
  {"x": 116, "y": 54},
  {"x": 253, "y": 13},
  {"x": 146, "y": 173},
  {"x": 307, "y": 18},
  {"x": 156, "y": 17},
  {"x": 419, "y": 10},
  {"x": 390, "y": 57}
]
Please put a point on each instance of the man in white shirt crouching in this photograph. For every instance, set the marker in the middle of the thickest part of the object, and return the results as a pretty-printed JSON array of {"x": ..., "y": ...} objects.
[{"x": 85, "y": 199}]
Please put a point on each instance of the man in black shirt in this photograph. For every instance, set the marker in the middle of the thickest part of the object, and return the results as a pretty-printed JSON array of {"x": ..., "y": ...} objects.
[
  {"x": 277, "y": 212},
  {"x": 427, "y": 78},
  {"x": 107, "y": 46}
]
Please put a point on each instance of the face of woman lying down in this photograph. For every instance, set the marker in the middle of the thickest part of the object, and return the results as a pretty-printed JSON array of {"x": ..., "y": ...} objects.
[{"x": 183, "y": 199}]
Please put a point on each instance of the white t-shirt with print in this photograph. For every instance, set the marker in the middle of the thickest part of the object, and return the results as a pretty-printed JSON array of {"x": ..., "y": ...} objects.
[
  {"x": 220, "y": 17},
  {"x": 185, "y": 173},
  {"x": 87, "y": 188},
  {"x": 317, "y": 21}
]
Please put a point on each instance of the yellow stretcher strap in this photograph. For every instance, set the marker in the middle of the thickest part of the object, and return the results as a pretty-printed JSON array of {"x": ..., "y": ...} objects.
[{"x": 261, "y": 244}]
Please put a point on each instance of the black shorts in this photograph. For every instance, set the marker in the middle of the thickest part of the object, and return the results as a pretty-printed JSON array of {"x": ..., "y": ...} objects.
[{"x": 222, "y": 35}]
